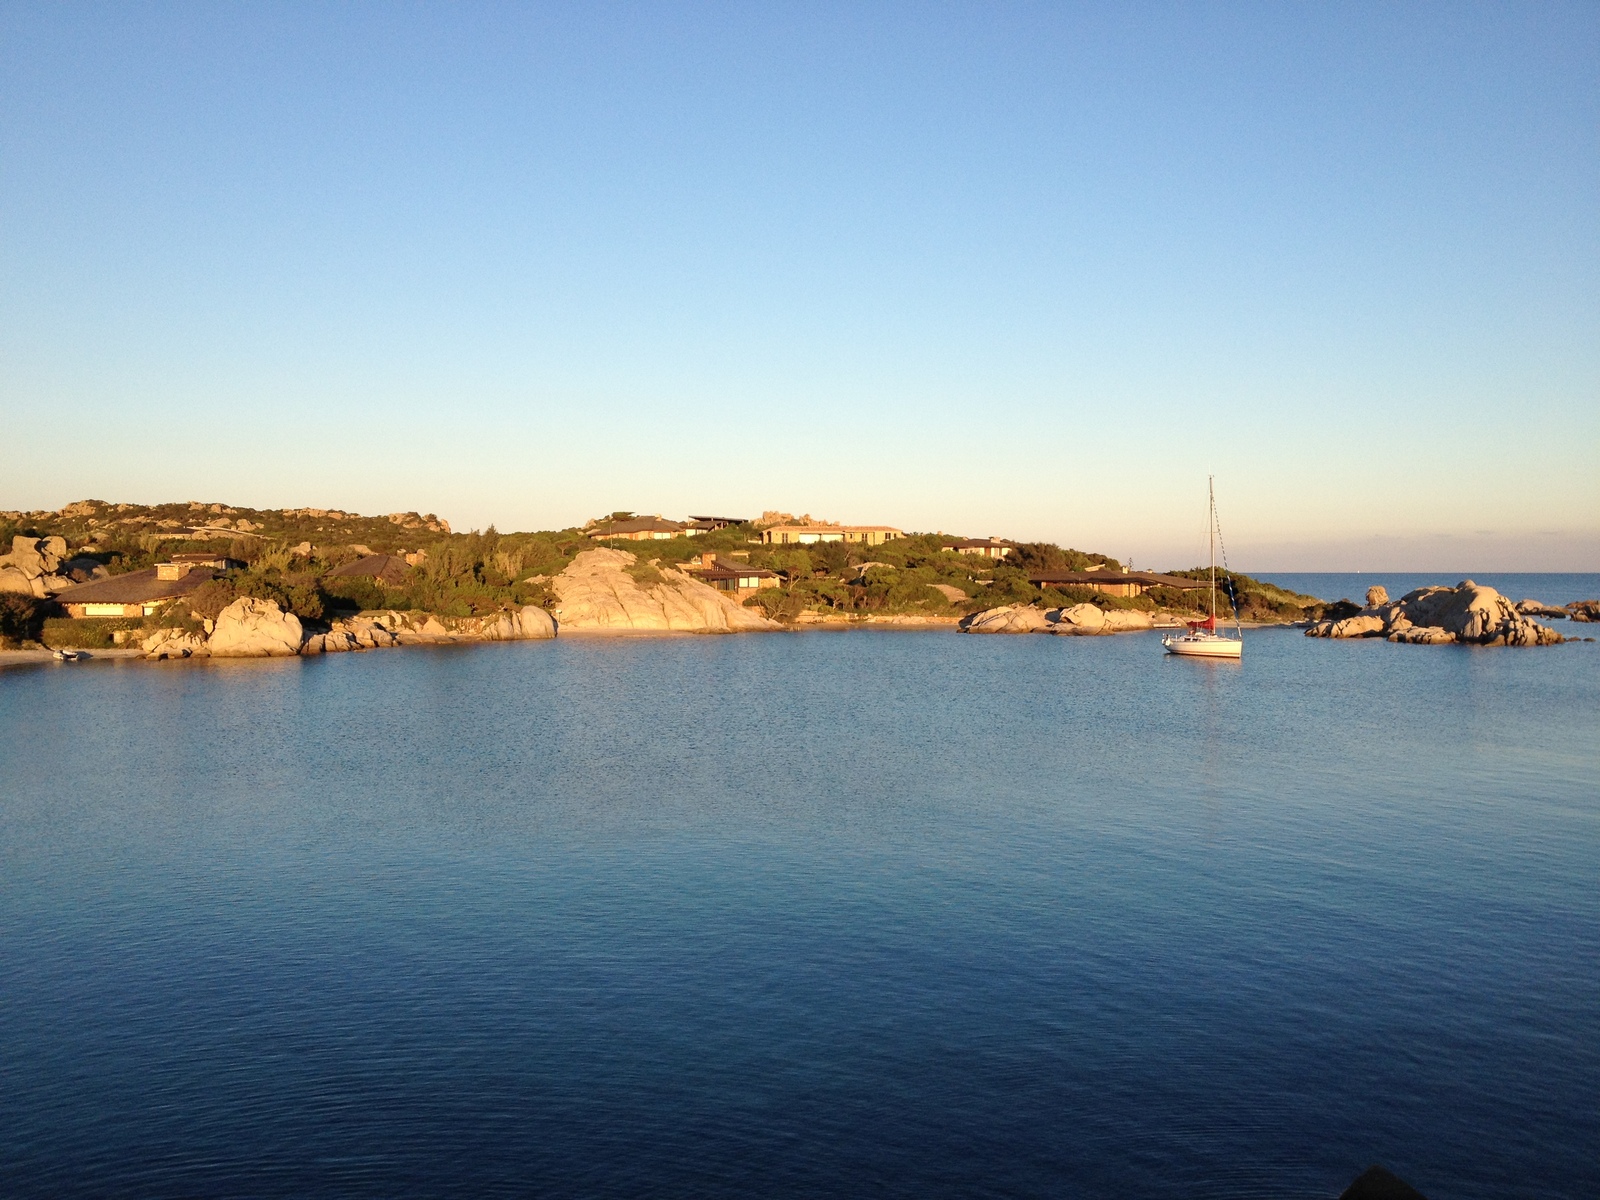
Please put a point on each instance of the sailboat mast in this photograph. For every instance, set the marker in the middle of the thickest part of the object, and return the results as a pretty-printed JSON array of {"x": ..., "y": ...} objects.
[{"x": 1211, "y": 539}]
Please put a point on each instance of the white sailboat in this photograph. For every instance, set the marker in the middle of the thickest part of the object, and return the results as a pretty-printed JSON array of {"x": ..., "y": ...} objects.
[{"x": 1203, "y": 640}]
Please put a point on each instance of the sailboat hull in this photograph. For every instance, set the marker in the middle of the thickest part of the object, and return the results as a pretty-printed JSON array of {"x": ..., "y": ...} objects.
[
  {"x": 1202, "y": 640},
  {"x": 1191, "y": 646}
]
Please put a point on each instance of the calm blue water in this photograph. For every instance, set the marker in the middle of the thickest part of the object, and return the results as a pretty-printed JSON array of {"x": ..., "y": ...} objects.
[
  {"x": 1555, "y": 589},
  {"x": 820, "y": 914}
]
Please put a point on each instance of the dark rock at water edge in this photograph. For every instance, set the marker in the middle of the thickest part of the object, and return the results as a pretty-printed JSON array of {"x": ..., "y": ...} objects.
[
  {"x": 1584, "y": 610},
  {"x": 1375, "y": 1183}
]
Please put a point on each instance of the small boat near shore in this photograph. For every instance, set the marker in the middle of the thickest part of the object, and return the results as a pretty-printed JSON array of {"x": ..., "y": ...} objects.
[{"x": 1202, "y": 640}]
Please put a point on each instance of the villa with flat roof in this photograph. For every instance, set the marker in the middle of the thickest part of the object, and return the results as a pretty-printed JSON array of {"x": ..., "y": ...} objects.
[
  {"x": 810, "y": 535},
  {"x": 987, "y": 547},
  {"x": 1113, "y": 583},
  {"x": 732, "y": 575}
]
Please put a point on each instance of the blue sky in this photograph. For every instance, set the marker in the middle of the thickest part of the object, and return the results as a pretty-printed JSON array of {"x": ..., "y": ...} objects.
[{"x": 1029, "y": 270}]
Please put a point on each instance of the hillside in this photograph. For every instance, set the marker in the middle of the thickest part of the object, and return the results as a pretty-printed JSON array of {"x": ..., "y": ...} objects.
[{"x": 292, "y": 556}]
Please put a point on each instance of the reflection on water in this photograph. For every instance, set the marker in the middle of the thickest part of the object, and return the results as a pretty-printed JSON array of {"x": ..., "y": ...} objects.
[{"x": 819, "y": 914}]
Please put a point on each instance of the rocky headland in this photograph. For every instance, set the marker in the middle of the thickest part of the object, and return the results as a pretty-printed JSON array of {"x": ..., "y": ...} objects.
[
  {"x": 602, "y": 591},
  {"x": 1467, "y": 614}
]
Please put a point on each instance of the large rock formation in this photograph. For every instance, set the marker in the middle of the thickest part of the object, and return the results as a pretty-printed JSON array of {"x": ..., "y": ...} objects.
[
  {"x": 1079, "y": 620},
  {"x": 175, "y": 643},
  {"x": 251, "y": 628},
  {"x": 1125, "y": 620},
  {"x": 1015, "y": 618},
  {"x": 597, "y": 592},
  {"x": 33, "y": 566},
  {"x": 1467, "y": 614}
]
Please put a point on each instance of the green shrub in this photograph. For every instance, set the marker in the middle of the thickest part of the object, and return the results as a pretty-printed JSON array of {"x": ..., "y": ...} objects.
[
  {"x": 20, "y": 618},
  {"x": 86, "y": 633},
  {"x": 643, "y": 574},
  {"x": 777, "y": 605},
  {"x": 360, "y": 593}
]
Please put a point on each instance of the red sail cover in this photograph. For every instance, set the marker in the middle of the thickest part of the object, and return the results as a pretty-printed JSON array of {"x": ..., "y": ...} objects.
[{"x": 1209, "y": 623}]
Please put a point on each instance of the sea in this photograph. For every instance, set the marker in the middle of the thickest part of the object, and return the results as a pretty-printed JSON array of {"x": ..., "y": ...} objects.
[{"x": 864, "y": 913}]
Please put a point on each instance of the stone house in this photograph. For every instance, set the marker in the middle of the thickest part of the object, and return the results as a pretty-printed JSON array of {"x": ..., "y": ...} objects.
[{"x": 136, "y": 594}]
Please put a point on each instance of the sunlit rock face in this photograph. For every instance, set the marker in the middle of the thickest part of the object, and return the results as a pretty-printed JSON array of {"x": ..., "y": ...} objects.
[
  {"x": 1468, "y": 614},
  {"x": 597, "y": 592}
]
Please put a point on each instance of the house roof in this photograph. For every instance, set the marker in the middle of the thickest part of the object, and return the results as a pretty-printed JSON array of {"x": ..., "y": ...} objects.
[
  {"x": 1089, "y": 578},
  {"x": 637, "y": 525},
  {"x": 721, "y": 520},
  {"x": 387, "y": 567},
  {"x": 723, "y": 571},
  {"x": 960, "y": 543},
  {"x": 136, "y": 587}
]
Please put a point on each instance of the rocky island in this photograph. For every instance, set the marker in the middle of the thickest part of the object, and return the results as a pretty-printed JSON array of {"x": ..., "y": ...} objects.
[{"x": 1467, "y": 614}]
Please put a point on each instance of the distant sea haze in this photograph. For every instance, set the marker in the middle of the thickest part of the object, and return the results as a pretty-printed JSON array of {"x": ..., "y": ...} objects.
[{"x": 1559, "y": 589}]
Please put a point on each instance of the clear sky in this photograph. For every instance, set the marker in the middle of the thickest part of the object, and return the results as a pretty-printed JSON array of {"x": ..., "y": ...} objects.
[{"x": 1031, "y": 270}]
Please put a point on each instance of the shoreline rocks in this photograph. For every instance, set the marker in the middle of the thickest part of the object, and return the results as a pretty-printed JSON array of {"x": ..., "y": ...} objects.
[
  {"x": 1533, "y": 608},
  {"x": 252, "y": 628},
  {"x": 1081, "y": 620},
  {"x": 1467, "y": 614}
]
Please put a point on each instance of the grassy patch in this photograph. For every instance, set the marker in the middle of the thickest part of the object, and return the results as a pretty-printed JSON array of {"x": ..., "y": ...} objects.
[
  {"x": 644, "y": 574},
  {"x": 87, "y": 633}
]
